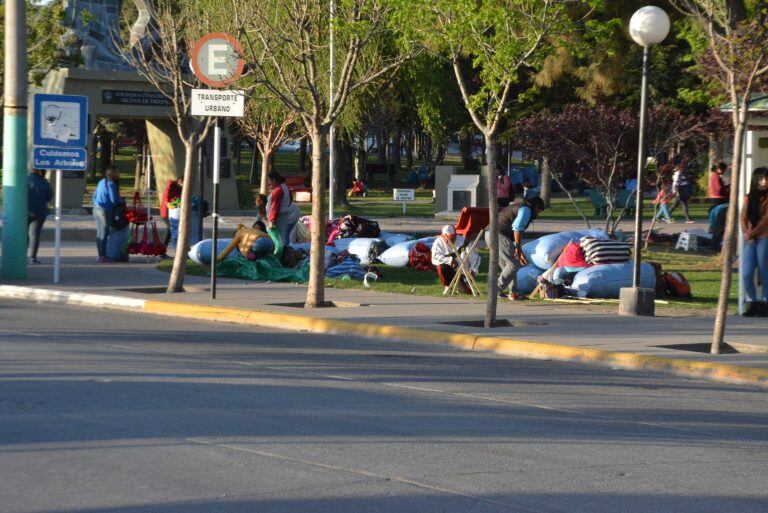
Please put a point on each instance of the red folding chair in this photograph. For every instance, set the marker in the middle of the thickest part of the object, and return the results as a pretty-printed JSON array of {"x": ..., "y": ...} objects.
[{"x": 472, "y": 223}]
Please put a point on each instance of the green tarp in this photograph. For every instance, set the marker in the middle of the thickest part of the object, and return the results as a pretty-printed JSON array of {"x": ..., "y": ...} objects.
[{"x": 265, "y": 269}]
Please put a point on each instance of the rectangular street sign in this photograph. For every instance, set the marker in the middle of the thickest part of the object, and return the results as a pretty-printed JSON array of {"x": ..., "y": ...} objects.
[
  {"x": 60, "y": 120},
  {"x": 404, "y": 194},
  {"x": 212, "y": 102},
  {"x": 143, "y": 98},
  {"x": 70, "y": 159}
]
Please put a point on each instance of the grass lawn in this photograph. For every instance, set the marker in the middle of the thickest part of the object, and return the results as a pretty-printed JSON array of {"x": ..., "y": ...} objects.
[{"x": 701, "y": 269}]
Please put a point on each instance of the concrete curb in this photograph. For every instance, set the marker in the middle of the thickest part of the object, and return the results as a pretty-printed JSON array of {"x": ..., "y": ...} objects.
[{"x": 501, "y": 345}]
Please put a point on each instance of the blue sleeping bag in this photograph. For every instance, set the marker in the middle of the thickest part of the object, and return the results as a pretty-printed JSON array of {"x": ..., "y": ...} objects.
[
  {"x": 604, "y": 281},
  {"x": 200, "y": 253},
  {"x": 545, "y": 251}
]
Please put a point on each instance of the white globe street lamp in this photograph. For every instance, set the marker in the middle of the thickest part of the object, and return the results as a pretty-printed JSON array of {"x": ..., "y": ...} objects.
[{"x": 648, "y": 26}]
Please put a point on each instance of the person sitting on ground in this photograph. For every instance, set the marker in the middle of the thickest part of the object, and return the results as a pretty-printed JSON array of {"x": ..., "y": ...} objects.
[
  {"x": 513, "y": 221},
  {"x": 252, "y": 243},
  {"x": 358, "y": 189},
  {"x": 445, "y": 259}
]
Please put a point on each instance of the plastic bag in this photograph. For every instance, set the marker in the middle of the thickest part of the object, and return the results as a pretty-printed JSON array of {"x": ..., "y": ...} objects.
[
  {"x": 544, "y": 251},
  {"x": 604, "y": 281},
  {"x": 361, "y": 248},
  {"x": 200, "y": 253},
  {"x": 397, "y": 255},
  {"x": 264, "y": 269},
  {"x": 526, "y": 279}
]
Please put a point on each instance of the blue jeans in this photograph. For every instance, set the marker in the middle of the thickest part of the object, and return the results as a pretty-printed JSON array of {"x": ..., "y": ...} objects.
[
  {"x": 262, "y": 247},
  {"x": 101, "y": 216},
  {"x": 755, "y": 257},
  {"x": 663, "y": 211}
]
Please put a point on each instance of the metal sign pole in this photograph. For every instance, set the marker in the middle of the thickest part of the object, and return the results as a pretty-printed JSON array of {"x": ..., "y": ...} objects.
[
  {"x": 149, "y": 185},
  {"x": 216, "y": 158},
  {"x": 57, "y": 253},
  {"x": 201, "y": 182}
]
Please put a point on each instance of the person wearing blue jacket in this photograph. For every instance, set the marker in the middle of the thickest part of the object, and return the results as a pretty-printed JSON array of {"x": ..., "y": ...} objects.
[
  {"x": 39, "y": 195},
  {"x": 105, "y": 197}
]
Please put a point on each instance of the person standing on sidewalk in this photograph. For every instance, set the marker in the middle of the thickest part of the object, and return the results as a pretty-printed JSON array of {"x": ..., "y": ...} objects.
[
  {"x": 282, "y": 212},
  {"x": 105, "y": 197},
  {"x": 718, "y": 191},
  {"x": 172, "y": 191},
  {"x": 754, "y": 223},
  {"x": 40, "y": 194},
  {"x": 662, "y": 200},
  {"x": 513, "y": 222},
  {"x": 683, "y": 189}
]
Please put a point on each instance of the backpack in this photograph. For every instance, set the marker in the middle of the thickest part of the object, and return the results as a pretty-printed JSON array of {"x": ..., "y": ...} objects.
[
  {"x": 420, "y": 257},
  {"x": 118, "y": 218},
  {"x": 367, "y": 228},
  {"x": 677, "y": 285}
]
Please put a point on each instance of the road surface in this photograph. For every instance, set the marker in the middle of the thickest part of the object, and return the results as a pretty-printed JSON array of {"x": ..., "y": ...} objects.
[{"x": 116, "y": 412}]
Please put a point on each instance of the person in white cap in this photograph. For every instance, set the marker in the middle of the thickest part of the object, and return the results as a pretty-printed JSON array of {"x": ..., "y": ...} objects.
[{"x": 445, "y": 260}]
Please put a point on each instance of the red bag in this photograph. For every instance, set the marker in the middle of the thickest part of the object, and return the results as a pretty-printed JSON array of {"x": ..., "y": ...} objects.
[
  {"x": 133, "y": 241},
  {"x": 420, "y": 257},
  {"x": 677, "y": 285},
  {"x": 137, "y": 213},
  {"x": 572, "y": 256}
]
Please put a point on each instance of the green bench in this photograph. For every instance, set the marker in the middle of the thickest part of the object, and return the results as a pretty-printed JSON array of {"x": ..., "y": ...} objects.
[{"x": 601, "y": 206}]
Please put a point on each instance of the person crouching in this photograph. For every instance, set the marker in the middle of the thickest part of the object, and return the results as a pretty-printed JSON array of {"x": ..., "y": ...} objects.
[{"x": 445, "y": 259}]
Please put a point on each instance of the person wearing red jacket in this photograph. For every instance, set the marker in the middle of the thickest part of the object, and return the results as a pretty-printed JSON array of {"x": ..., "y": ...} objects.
[
  {"x": 282, "y": 212},
  {"x": 718, "y": 190},
  {"x": 172, "y": 191}
]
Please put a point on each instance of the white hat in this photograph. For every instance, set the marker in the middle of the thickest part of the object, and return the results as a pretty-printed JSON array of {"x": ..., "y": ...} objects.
[{"x": 448, "y": 229}]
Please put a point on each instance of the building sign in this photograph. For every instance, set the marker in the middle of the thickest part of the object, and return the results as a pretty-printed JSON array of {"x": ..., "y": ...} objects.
[{"x": 142, "y": 98}]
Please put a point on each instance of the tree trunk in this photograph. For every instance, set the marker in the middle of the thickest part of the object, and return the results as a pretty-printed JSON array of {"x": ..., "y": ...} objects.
[
  {"x": 381, "y": 146},
  {"x": 106, "y": 153},
  {"x": 254, "y": 161},
  {"x": 303, "y": 156},
  {"x": 493, "y": 228},
  {"x": 465, "y": 149},
  {"x": 729, "y": 239},
  {"x": 266, "y": 168},
  {"x": 409, "y": 150},
  {"x": 316, "y": 286},
  {"x": 546, "y": 182},
  {"x": 713, "y": 158},
  {"x": 140, "y": 151},
  {"x": 176, "y": 281},
  {"x": 396, "y": 148},
  {"x": 344, "y": 168},
  {"x": 360, "y": 160}
]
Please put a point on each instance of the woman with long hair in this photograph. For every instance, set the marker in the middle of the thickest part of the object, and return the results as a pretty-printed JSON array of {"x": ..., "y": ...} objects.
[
  {"x": 754, "y": 223},
  {"x": 282, "y": 212}
]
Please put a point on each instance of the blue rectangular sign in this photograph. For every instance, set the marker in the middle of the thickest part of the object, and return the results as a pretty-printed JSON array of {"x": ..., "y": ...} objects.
[
  {"x": 67, "y": 159},
  {"x": 61, "y": 120}
]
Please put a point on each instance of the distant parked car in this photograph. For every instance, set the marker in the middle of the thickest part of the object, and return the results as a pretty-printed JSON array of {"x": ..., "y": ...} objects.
[{"x": 289, "y": 146}]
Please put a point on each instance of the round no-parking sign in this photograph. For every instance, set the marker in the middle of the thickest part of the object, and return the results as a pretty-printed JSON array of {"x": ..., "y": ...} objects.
[{"x": 217, "y": 59}]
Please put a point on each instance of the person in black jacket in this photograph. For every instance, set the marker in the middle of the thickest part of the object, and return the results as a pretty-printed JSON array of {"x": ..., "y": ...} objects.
[{"x": 39, "y": 195}]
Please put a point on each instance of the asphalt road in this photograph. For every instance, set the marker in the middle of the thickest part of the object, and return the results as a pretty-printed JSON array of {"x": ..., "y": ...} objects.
[{"x": 119, "y": 412}]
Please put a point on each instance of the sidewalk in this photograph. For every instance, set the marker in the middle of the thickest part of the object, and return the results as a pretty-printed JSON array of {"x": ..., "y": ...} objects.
[
  {"x": 576, "y": 326},
  {"x": 81, "y": 227}
]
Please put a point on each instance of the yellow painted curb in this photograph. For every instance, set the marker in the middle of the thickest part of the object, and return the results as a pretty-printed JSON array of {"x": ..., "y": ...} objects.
[{"x": 507, "y": 346}]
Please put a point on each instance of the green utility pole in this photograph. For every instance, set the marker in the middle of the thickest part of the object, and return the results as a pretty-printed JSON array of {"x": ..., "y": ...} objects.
[{"x": 14, "y": 262}]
